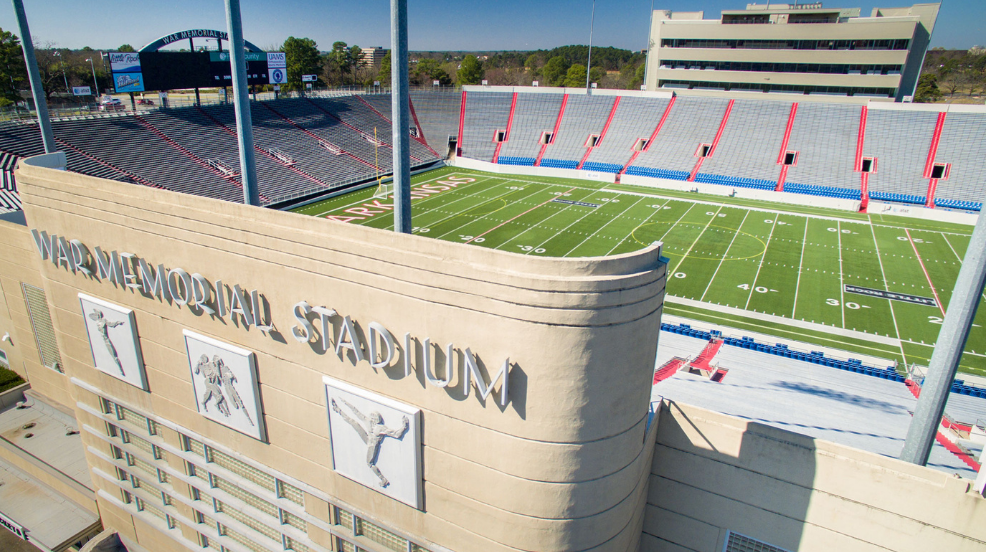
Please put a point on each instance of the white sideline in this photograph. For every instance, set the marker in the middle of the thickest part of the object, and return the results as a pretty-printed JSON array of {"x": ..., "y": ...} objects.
[{"x": 835, "y": 330}]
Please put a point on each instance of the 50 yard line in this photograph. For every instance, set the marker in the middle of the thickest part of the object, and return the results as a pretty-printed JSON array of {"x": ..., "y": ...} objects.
[
  {"x": 725, "y": 253},
  {"x": 700, "y": 234}
]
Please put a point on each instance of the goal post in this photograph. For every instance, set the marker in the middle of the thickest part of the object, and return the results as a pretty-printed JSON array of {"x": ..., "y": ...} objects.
[{"x": 384, "y": 190}]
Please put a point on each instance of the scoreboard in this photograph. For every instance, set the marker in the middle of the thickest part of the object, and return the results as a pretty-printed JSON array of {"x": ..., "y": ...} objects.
[{"x": 147, "y": 71}]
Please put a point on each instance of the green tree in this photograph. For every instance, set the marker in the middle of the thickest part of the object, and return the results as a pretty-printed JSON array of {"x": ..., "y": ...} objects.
[
  {"x": 385, "y": 69},
  {"x": 554, "y": 72},
  {"x": 575, "y": 78},
  {"x": 302, "y": 59},
  {"x": 13, "y": 72},
  {"x": 927, "y": 90},
  {"x": 470, "y": 71},
  {"x": 126, "y": 48},
  {"x": 597, "y": 73}
]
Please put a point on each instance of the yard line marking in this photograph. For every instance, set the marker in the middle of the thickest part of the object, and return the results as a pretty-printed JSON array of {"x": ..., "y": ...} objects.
[
  {"x": 801, "y": 262},
  {"x": 886, "y": 287},
  {"x": 463, "y": 198},
  {"x": 842, "y": 284},
  {"x": 592, "y": 234},
  {"x": 950, "y": 246},
  {"x": 348, "y": 205},
  {"x": 656, "y": 211},
  {"x": 556, "y": 213},
  {"x": 467, "y": 223},
  {"x": 725, "y": 253},
  {"x": 764, "y": 256},
  {"x": 700, "y": 234},
  {"x": 933, "y": 290},
  {"x": 547, "y": 201}
]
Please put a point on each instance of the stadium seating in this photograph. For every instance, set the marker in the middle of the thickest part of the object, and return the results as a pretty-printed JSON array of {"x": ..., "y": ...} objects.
[
  {"x": 692, "y": 121},
  {"x": 750, "y": 142},
  {"x": 756, "y": 184},
  {"x": 438, "y": 114},
  {"x": 584, "y": 116},
  {"x": 635, "y": 119},
  {"x": 823, "y": 191},
  {"x": 656, "y": 173},
  {"x": 824, "y": 135},
  {"x": 899, "y": 140},
  {"x": 534, "y": 115},
  {"x": 963, "y": 144},
  {"x": 522, "y": 161},
  {"x": 898, "y": 198},
  {"x": 486, "y": 113},
  {"x": 959, "y": 204}
]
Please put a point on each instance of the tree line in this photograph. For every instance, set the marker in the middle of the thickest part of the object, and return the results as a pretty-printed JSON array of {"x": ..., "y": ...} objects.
[{"x": 952, "y": 75}]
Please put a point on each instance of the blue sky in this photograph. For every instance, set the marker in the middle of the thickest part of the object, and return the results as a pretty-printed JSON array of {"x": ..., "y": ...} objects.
[{"x": 433, "y": 24}]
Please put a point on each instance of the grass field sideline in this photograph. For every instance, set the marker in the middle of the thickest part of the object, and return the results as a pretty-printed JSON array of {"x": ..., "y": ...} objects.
[{"x": 822, "y": 266}]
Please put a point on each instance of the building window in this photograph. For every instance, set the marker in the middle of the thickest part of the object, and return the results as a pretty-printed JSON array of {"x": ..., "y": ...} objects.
[
  {"x": 242, "y": 469},
  {"x": 736, "y": 542},
  {"x": 290, "y": 492},
  {"x": 940, "y": 171},
  {"x": 790, "y": 158},
  {"x": 247, "y": 497},
  {"x": 241, "y": 539},
  {"x": 344, "y": 518},
  {"x": 195, "y": 447},
  {"x": 380, "y": 536},
  {"x": 248, "y": 521},
  {"x": 868, "y": 165},
  {"x": 291, "y": 544},
  {"x": 297, "y": 522},
  {"x": 44, "y": 332}
]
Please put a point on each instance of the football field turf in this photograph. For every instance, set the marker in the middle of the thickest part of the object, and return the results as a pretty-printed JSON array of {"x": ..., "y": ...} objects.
[{"x": 810, "y": 274}]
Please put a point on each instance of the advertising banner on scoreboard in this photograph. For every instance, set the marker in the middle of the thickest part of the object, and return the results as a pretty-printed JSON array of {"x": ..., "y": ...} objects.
[
  {"x": 125, "y": 62},
  {"x": 277, "y": 60},
  {"x": 277, "y": 76},
  {"x": 128, "y": 82}
]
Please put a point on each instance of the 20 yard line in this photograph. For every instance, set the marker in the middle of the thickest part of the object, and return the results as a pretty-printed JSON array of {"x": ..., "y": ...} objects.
[
  {"x": 886, "y": 287},
  {"x": 801, "y": 263},
  {"x": 547, "y": 201},
  {"x": 926, "y": 275},
  {"x": 762, "y": 259},
  {"x": 468, "y": 222},
  {"x": 724, "y": 255},
  {"x": 549, "y": 217}
]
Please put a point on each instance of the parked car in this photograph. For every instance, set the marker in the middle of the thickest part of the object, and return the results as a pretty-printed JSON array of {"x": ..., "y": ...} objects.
[
  {"x": 111, "y": 104},
  {"x": 143, "y": 101}
]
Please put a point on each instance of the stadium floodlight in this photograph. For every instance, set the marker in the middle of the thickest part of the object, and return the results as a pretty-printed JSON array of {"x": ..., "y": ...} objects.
[
  {"x": 588, "y": 63},
  {"x": 241, "y": 103},
  {"x": 58, "y": 54},
  {"x": 95, "y": 90},
  {"x": 401, "y": 116},
  {"x": 40, "y": 104}
]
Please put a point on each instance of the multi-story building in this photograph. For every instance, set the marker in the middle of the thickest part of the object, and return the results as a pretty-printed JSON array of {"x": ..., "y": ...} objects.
[
  {"x": 374, "y": 55},
  {"x": 792, "y": 48}
]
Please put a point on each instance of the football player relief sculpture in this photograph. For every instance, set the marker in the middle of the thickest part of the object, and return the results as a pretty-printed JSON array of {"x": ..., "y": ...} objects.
[
  {"x": 112, "y": 332},
  {"x": 224, "y": 379},
  {"x": 376, "y": 441}
]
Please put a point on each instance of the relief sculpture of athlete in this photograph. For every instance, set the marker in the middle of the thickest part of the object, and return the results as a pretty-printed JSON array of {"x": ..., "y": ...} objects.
[
  {"x": 212, "y": 390},
  {"x": 103, "y": 326},
  {"x": 372, "y": 435}
]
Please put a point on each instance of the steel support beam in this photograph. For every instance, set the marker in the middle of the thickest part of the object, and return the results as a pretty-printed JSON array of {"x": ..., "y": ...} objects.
[
  {"x": 401, "y": 116},
  {"x": 948, "y": 350},
  {"x": 47, "y": 136},
  {"x": 241, "y": 102}
]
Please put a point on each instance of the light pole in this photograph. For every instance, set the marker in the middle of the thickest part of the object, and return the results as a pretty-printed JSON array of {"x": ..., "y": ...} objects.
[
  {"x": 95, "y": 91},
  {"x": 62, "y": 63},
  {"x": 588, "y": 64}
]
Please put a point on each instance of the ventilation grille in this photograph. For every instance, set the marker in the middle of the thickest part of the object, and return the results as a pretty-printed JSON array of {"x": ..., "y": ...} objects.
[
  {"x": 741, "y": 543},
  {"x": 44, "y": 332}
]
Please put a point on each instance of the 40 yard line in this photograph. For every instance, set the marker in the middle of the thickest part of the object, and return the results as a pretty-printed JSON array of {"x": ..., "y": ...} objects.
[
  {"x": 886, "y": 287},
  {"x": 724, "y": 255},
  {"x": 762, "y": 259},
  {"x": 801, "y": 264}
]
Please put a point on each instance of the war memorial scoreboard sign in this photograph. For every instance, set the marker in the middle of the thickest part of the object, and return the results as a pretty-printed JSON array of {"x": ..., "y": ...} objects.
[
  {"x": 144, "y": 71},
  {"x": 319, "y": 327}
]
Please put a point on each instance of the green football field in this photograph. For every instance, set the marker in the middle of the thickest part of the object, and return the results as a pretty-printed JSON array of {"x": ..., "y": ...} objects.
[{"x": 810, "y": 274}]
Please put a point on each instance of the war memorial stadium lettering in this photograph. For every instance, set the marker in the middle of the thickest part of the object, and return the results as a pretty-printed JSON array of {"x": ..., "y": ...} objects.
[
  {"x": 194, "y": 33},
  {"x": 250, "y": 308}
]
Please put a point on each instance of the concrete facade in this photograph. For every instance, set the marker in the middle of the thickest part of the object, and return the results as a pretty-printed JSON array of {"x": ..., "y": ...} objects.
[
  {"x": 783, "y": 48},
  {"x": 577, "y": 458}
]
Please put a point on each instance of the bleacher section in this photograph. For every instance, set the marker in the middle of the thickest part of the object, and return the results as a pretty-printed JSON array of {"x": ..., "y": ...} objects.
[
  {"x": 692, "y": 121},
  {"x": 635, "y": 118},
  {"x": 963, "y": 144},
  {"x": 584, "y": 115},
  {"x": 899, "y": 140},
  {"x": 534, "y": 115},
  {"x": 485, "y": 114},
  {"x": 750, "y": 143},
  {"x": 825, "y": 138},
  {"x": 438, "y": 114}
]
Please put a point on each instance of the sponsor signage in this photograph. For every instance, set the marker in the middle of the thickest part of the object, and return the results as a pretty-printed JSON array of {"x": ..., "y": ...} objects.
[
  {"x": 277, "y": 76},
  {"x": 81, "y": 91},
  {"x": 320, "y": 328},
  {"x": 277, "y": 60},
  {"x": 579, "y": 203},
  {"x": 309, "y": 78},
  {"x": 14, "y": 527},
  {"x": 893, "y": 296},
  {"x": 224, "y": 56},
  {"x": 125, "y": 62},
  {"x": 128, "y": 82}
]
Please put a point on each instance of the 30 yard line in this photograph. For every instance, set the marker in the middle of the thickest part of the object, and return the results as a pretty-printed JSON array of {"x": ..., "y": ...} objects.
[
  {"x": 549, "y": 200},
  {"x": 926, "y": 275},
  {"x": 724, "y": 255},
  {"x": 762, "y": 258},
  {"x": 560, "y": 211},
  {"x": 886, "y": 287},
  {"x": 842, "y": 285},
  {"x": 467, "y": 223},
  {"x": 950, "y": 247},
  {"x": 594, "y": 233},
  {"x": 801, "y": 262}
]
